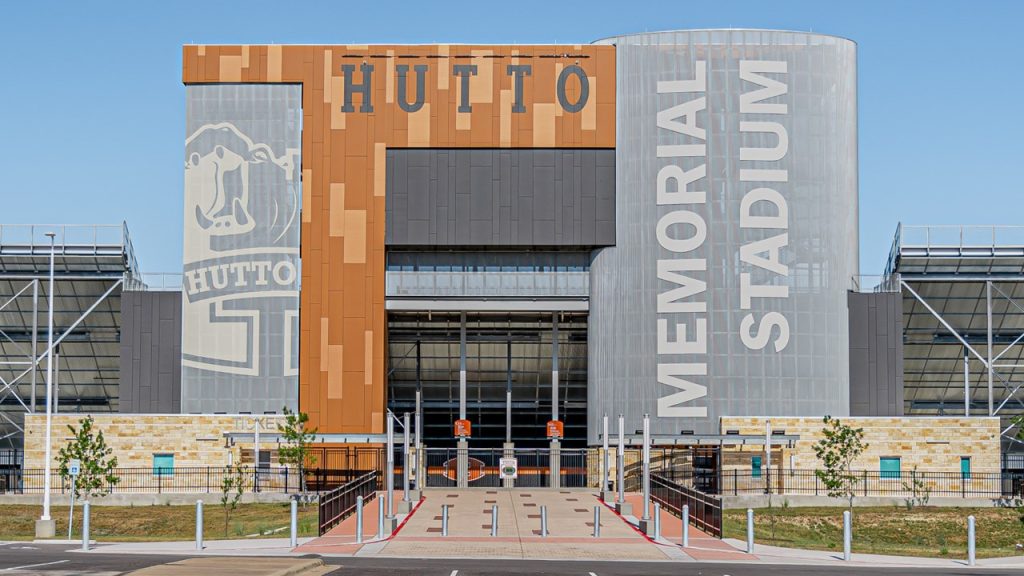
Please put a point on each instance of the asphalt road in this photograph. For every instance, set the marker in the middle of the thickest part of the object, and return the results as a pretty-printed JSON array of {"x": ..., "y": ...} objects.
[
  {"x": 57, "y": 560},
  {"x": 410, "y": 567}
]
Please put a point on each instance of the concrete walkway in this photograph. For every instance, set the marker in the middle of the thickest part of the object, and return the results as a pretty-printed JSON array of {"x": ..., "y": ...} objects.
[
  {"x": 250, "y": 547},
  {"x": 239, "y": 567},
  {"x": 703, "y": 547},
  {"x": 570, "y": 528}
]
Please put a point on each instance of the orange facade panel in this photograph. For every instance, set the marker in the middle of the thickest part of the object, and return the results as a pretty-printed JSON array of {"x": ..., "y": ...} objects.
[{"x": 353, "y": 110}]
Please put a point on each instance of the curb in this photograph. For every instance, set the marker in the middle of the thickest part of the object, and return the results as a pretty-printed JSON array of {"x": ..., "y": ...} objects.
[{"x": 299, "y": 568}]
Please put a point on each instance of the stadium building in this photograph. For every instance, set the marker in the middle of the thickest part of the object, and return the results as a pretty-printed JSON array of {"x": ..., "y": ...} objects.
[{"x": 511, "y": 242}]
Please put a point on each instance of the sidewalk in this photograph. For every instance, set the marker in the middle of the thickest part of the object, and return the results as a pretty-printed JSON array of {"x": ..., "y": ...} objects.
[
  {"x": 570, "y": 528},
  {"x": 709, "y": 549},
  {"x": 570, "y": 536},
  {"x": 779, "y": 555},
  {"x": 248, "y": 547}
]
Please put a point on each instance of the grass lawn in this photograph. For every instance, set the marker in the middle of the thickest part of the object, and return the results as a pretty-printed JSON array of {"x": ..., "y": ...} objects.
[
  {"x": 923, "y": 531},
  {"x": 149, "y": 523}
]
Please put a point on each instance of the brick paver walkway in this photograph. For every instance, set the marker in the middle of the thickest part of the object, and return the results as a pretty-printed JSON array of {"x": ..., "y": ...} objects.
[
  {"x": 570, "y": 530},
  {"x": 570, "y": 527},
  {"x": 702, "y": 546},
  {"x": 342, "y": 538}
]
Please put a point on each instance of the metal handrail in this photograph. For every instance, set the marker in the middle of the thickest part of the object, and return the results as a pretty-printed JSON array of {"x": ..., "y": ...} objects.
[
  {"x": 340, "y": 503},
  {"x": 705, "y": 509},
  {"x": 155, "y": 282},
  {"x": 94, "y": 239},
  {"x": 498, "y": 283},
  {"x": 875, "y": 283},
  {"x": 958, "y": 235}
]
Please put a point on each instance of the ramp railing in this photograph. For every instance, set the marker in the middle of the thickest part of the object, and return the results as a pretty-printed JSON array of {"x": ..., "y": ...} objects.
[
  {"x": 340, "y": 503},
  {"x": 705, "y": 509}
]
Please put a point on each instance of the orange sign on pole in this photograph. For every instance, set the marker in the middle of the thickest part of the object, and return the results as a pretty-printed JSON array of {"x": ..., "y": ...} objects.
[
  {"x": 462, "y": 428},
  {"x": 556, "y": 429}
]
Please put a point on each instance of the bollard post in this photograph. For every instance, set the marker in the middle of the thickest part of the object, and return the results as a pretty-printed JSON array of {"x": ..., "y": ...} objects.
[
  {"x": 686, "y": 525},
  {"x": 85, "y": 526},
  {"x": 294, "y": 524},
  {"x": 380, "y": 518},
  {"x": 359, "y": 519},
  {"x": 657, "y": 521},
  {"x": 597, "y": 521},
  {"x": 444, "y": 520},
  {"x": 494, "y": 520},
  {"x": 543, "y": 521},
  {"x": 846, "y": 535},
  {"x": 199, "y": 524},
  {"x": 750, "y": 531},
  {"x": 970, "y": 539}
]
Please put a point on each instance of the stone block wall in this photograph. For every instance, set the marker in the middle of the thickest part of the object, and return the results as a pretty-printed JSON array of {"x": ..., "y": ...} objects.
[
  {"x": 195, "y": 440},
  {"x": 932, "y": 444}
]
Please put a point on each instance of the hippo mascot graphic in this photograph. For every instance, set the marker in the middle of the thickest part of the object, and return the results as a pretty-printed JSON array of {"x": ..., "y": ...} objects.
[
  {"x": 222, "y": 167},
  {"x": 241, "y": 255}
]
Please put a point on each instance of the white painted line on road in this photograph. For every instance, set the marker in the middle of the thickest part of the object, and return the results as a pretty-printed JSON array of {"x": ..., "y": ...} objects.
[
  {"x": 592, "y": 574},
  {"x": 454, "y": 573},
  {"x": 33, "y": 565}
]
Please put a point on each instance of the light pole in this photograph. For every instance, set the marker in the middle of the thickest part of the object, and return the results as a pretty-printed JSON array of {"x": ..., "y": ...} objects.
[{"x": 46, "y": 524}]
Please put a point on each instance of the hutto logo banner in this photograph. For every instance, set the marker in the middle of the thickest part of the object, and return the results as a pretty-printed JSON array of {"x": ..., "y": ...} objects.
[{"x": 241, "y": 268}]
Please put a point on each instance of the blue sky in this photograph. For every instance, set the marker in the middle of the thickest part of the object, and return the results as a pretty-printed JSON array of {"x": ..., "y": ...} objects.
[{"x": 92, "y": 106}]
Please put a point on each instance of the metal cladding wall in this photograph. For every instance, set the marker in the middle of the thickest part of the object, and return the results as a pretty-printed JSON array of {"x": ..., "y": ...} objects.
[
  {"x": 357, "y": 102},
  {"x": 736, "y": 203},
  {"x": 150, "y": 352},
  {"x": 524, "y": 197}
]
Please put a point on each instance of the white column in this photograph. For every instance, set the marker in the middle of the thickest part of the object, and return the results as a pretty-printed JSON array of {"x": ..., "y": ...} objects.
[
  {"x": 967, "y": 386},
  {"x": 647, "y": 467},
  {"x": 604, "y": 454},
  {"x": 256, "y": 442},
  {"x": 405, "y": 457},
  {"x": 554, "y": 366},
  {"x": 462, "y": 366},
  {"x": 56, "y": 380},
  {"x": 390, "y": 484},
  {"x": 49, "y": 385},
  {"x": 620, "y": 462},
  {"x": 508, "y": 392},
  {"x": 988, "y": 358},
  {"x": 35, "y": 339},
  {"x": 768, "y": 454}
]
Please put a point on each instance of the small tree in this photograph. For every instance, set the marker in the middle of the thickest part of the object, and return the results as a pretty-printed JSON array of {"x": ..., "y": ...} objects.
[
  {"x": 297, "y": 440},
  {"x": 232, "y": 485},
  {"x": 920, "y": 492},
  {"x": 96, "y": 473},
  {"x": 841, "y": 445}
]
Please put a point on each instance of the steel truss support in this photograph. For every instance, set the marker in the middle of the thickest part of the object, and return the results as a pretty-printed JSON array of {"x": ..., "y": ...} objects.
[
  {"x": 7, "y": 388},
  {"x": 989, "y": 358}
]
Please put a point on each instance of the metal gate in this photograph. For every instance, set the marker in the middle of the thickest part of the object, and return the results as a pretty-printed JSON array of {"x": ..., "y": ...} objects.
[{"x": 534, "y": 466}]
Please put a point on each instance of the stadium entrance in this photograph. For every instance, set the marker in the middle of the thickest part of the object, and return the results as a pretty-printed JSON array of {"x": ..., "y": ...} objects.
[{"x": 507, "y": 361}]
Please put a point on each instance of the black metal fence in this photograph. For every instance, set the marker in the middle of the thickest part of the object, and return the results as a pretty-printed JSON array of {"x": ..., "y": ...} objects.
[
  {"x": 184, "y": 480},
  {"x": 910, "y": 484},
  {"x": 705, "y": 509},
  {"x": 340, "y": 503}
]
